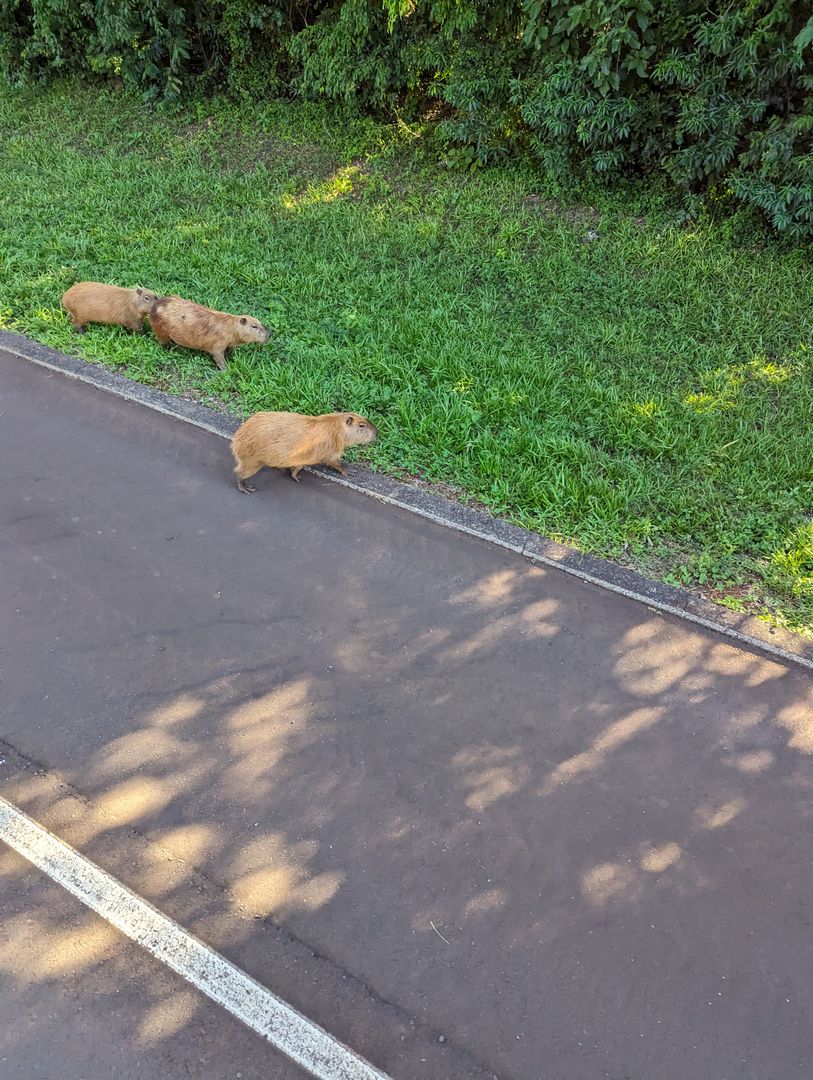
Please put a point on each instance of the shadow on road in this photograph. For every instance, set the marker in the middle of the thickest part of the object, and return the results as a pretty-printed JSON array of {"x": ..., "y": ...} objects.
[{"x": 495, "y": 824}]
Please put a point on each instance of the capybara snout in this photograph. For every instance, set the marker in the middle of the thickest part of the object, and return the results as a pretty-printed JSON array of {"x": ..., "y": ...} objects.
[
  {"x": 146, "y": 299},
  {"x": 254, "y": 332},
  {"x": 359, "y": 430}
]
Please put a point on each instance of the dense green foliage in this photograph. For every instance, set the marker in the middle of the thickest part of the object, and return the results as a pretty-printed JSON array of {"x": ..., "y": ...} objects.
[
  {"x": 593, "y": 371},
  {"x": 718, "y": 96}
]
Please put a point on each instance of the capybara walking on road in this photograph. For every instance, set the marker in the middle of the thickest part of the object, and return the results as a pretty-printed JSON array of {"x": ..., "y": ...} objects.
[{"x": 283, "y": 440}]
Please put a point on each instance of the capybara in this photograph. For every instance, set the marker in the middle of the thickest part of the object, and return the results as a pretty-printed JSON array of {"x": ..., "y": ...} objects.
[
  {"x": 90, "y": 301},
  {"x": 284, "y": 440},
  {"x": 198, "y": 327}
]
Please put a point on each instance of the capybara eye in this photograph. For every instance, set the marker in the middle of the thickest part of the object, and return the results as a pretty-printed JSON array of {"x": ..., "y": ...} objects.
[{"x": 362, "y": 425}]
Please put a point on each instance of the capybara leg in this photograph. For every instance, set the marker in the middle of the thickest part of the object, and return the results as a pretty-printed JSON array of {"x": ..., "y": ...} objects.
[
  {"x": 78, "y": 328},
  {"x": 220, "y": 359},
  {"x": 162, "y": 339},
  {"x": 243, "y": 471},
  {"x": 337, "y": 465},
  {"x": 295, "y": 473}
]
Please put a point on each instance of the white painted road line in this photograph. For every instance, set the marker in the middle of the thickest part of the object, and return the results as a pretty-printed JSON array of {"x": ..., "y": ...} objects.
[{"x": 286, "y": 1029}]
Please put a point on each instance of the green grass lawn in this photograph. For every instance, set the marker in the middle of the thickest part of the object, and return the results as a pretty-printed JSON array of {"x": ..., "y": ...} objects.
[{"x": 646, "y": 394}]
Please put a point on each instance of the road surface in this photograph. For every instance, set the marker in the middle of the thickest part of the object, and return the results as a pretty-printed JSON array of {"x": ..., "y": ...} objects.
[{"x": 471, "y": 816}]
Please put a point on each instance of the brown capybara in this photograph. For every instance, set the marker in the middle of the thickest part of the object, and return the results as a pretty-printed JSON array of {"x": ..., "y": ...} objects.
[
  {"x": 284, "y": 440},
  {"x": 91, "y": 301},
  {"x": 198, "y": 327}
]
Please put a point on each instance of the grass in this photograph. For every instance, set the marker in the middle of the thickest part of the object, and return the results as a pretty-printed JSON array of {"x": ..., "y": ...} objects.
[{"x": 646, "y": 394}]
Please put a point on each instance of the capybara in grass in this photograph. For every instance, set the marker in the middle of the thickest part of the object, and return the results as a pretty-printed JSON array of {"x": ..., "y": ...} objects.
[
  {"x": 93, "y": 302},
  {"x": 283, "y": 440},
  {"x": 198, "y": 327}
]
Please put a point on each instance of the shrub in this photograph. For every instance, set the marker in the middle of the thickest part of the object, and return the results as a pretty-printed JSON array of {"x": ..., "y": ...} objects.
[{"x": 619, "y": 87}]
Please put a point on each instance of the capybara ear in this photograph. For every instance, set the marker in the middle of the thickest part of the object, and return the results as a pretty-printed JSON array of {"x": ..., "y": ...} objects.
[
  {"x": 349, "y": 421},
  {"x": 242, "y": 320},
  {"x": 140, "y": 292}
]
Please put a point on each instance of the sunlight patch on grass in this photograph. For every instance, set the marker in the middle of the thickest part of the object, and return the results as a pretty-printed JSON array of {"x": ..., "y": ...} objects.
[{"x": 342, "y": 182}]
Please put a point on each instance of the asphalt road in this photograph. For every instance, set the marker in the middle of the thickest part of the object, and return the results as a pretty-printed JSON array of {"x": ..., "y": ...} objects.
[
  {"x": 78, "y": 1001},
  {"x": 475, "y": 818}
]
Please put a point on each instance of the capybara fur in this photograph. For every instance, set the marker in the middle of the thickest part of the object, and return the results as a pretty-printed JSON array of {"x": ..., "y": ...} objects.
[
  {"x": 198, "y": 327},
  {"x": 92, "y": 302},
  {"x": 284, "y": 440}
]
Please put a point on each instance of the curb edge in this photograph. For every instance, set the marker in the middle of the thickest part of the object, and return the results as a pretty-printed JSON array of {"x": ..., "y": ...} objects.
[{"x": 602, "y": 573}]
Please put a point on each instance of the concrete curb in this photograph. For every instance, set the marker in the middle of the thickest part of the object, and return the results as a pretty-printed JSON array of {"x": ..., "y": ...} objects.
[{"x": 745, "y": 629}]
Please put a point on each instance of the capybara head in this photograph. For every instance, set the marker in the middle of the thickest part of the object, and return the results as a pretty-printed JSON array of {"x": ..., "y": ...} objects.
[
  {"x": 357, "y": 429},
  {"x": 249, "y": 330},
  {"x": 144, "y": 300}
]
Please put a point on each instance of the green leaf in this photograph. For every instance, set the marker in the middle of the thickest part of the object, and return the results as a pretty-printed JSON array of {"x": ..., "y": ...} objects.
[{"x": 805, "y": 36}]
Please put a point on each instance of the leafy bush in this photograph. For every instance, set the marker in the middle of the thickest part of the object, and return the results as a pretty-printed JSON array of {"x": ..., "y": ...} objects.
[{"x": 620, "y": 87}]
